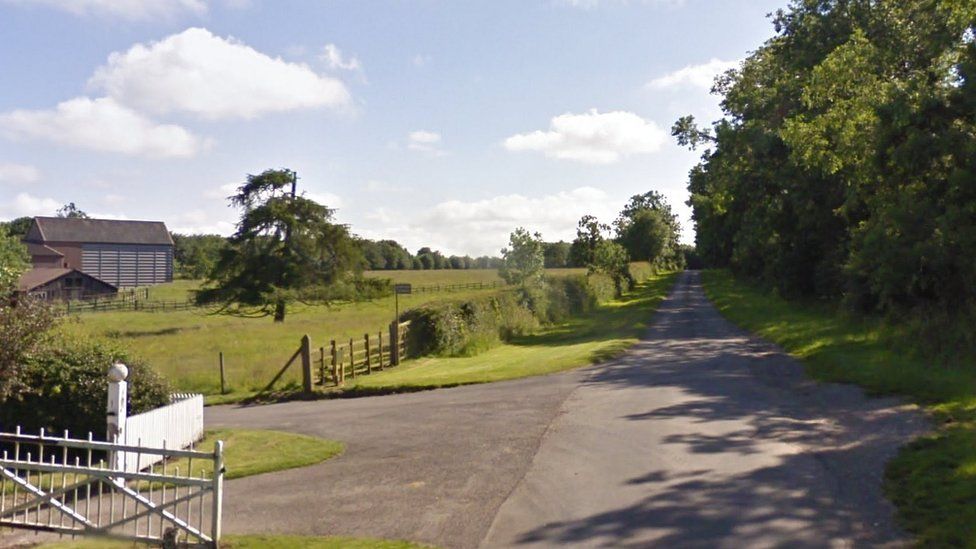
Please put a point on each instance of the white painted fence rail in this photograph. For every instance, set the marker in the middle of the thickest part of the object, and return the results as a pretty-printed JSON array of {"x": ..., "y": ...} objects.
[{"x": 175, "y": 426}]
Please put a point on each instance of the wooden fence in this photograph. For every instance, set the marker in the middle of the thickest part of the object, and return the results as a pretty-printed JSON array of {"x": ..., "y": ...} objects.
[
  {"x": 355, "y": 357},
  {"x": 176, "y": 425},
  {"x": 130, "y": 300}
]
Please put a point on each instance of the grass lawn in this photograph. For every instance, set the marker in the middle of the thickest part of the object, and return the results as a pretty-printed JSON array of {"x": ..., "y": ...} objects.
[
  {"x": 598, "y": 336},
  {"x": 184, "y": 346},
  {"x": 933, "y": 480},
  {"x": 252, "y": 452},
  {"x": 257, "y": 542}
]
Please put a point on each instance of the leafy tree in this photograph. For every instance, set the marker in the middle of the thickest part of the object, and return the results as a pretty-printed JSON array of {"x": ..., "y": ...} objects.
[
  {"x": 589, "y": 233},
  {"x": 195, "y": 256},
  {"x": 843, "y": 164},
  {"x": 286, "y": 249},
  {"x": 14, "y": 261},
  {"x": 612, "y": 259},
  {"x": 649, "y": 231},
  {"x": 18, "y": 227},
  {"x": 557, "y": 254},
  {"x": 523, "y": 262},
  {"x": 69, "y": 210}
]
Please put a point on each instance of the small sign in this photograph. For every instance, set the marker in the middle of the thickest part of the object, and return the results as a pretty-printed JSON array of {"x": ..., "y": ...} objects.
[{"x": 402, "y": 288}]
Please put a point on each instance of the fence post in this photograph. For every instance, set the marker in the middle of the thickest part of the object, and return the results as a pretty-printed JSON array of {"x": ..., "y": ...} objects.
[
  {"x": 352, "y": 358},
  {"x": 379, "y": 347},
  {"x": 306, "y": 364},
  {"x": 335, "y": 364},
  {"x": 116, "y": 413},
  {"x": 394, "y": 345},
  {"x": 218, "y": 489},
  {"x": 223, "y": 389},
  {"x": 369, "y": 360},
  {"x": 321, "y": 365}
]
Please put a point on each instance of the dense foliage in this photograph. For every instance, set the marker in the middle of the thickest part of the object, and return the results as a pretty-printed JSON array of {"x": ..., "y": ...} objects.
[
  {"x": 62, "y": 385},
  {"x": 196, "y": 255},
  {"x": 846, "y": 160}
]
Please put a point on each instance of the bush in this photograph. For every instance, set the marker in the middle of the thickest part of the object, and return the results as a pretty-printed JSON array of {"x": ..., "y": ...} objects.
[
  {"x": 468, "y": 327},
  {"x": 65, "y": 387}
]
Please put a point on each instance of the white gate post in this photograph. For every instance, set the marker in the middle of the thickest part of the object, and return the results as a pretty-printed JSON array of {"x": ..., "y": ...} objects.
[{"x": 117, "y": 397}]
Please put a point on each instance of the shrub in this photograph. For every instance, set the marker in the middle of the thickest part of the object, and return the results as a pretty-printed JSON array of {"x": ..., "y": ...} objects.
[
  {"x": 464, "y": 328},
  {"x": 65, "y": 387}
]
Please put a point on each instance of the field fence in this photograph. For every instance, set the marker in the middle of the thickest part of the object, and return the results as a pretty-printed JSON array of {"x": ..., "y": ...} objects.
[{"x": 139, "y": 301}]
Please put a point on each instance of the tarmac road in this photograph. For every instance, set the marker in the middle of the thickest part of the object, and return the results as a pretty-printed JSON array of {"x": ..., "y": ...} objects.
[{"x": 700, "y": 436}]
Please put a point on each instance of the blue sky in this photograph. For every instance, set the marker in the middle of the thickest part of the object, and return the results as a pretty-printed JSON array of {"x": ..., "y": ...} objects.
[{"x": 436, "y": 123}]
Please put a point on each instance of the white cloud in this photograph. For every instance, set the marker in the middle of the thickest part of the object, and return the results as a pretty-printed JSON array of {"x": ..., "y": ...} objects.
[
  {"x": 426, "y": 142},
  {"x": 127, "y": 9},
  {"x": 326, "y": 199},
  {"x": 213, "y": 77},
  {"x": 693, "y": 76},
  {"x": 333, "y": 57},
  {"x": 18, "y": 173},
  {"x": 28, "y": 205},
  {"x": 223, "y": 191},
  {"x": 421, "y": 60},
  {"x": 592, "y": 137},
  {"x": 482, "y": 227},
  {"x": 102, "y": 125}
]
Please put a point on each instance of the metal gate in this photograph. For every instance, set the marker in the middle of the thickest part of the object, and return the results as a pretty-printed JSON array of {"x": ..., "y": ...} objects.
[{"x": 65, "y": 485}]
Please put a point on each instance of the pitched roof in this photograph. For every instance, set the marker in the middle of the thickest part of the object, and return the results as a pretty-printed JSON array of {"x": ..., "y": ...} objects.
[
  {"x": 41, "y": 276},
  {"x": 102, "y": 231},
  {"x": 42, "y": 250}
]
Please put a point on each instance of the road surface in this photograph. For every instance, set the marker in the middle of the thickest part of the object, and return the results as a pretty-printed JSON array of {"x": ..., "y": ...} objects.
[{"x": 701, "y": 435}]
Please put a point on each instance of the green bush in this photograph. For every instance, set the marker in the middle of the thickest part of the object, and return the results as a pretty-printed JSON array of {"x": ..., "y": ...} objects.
[
  {"x": 468, "y": 327},
  {"x": 65, "y": 387}
]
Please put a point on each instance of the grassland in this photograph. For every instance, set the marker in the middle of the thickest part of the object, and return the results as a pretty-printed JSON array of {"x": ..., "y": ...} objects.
[
  {"x": 184, "y": 345},
  {"x": 933, "y": 480},
  {"x": 604, "y": 333}
]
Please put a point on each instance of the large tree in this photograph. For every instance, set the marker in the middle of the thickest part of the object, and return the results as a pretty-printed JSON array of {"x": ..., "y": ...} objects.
[
  {"x": 286, "y": 249},
  {"x": 649, "y": 231}
]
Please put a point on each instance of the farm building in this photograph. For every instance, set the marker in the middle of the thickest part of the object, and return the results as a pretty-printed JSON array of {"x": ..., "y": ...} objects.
[
  {"x": 62, "y": 283},
  {"x": 119, "y": 253}
]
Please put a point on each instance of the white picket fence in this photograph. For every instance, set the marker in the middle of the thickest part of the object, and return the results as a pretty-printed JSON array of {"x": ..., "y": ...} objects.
[{"x": 175, "y": 426}]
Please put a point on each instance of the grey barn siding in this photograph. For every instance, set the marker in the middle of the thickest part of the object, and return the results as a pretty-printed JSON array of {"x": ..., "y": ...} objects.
[{"x": 128, "y": 265}]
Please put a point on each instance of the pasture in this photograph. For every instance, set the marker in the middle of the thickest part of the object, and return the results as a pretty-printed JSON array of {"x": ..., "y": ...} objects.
[{"x": 184, "y": 346}]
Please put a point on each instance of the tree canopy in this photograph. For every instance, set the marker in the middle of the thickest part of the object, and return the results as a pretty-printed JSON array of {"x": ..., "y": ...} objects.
[
  {"x": 845, "y": 160},
  {"x": 285, "y": 249}
]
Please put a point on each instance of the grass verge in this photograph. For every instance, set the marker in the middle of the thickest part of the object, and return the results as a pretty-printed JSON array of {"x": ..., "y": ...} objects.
[
  {"x": 600, "y": 335},
  {"x": 253, "y": 452},
  {"x": 258, "y": 542},
  {"x": 933, "y": 479},
  {"x": 247, "y": 452}
]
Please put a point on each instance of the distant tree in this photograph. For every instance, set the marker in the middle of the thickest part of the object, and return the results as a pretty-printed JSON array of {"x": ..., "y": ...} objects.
[
  {"x": 69, "y": 210},
  {"x": 611, "y": 259},
  {"x": 649, "y": 231},
  {"x": 523, "y": 262},
  {"x": 196, "y": 255},
  {"x": 557, "y": 254},
  {"x": 286, "y": 249},
  {"x": 18, "y": 227},
  {"x": 589, "y": 233}
]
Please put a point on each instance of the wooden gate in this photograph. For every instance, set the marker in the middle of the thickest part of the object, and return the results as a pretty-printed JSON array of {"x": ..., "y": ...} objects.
[{"x": 65, "y": 485}]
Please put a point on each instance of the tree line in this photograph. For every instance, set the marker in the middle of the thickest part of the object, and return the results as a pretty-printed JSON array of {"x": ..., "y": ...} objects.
[{"x": 844, "y": 166}]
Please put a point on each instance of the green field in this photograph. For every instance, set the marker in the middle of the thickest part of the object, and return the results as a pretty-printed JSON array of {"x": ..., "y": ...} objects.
[
  {"x": 184, "y": 346},
  {"x": 595, "y": 337},
  {"x": 933, "y": 480}
]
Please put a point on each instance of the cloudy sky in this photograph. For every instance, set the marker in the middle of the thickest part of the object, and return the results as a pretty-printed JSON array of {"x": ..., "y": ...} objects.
[{"x": 434, "y": 122}]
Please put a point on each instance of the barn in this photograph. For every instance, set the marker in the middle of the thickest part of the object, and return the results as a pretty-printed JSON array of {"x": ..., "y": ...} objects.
[
  {"x": 123, "y": 254},
  {"x": 59, "y": 283}
]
